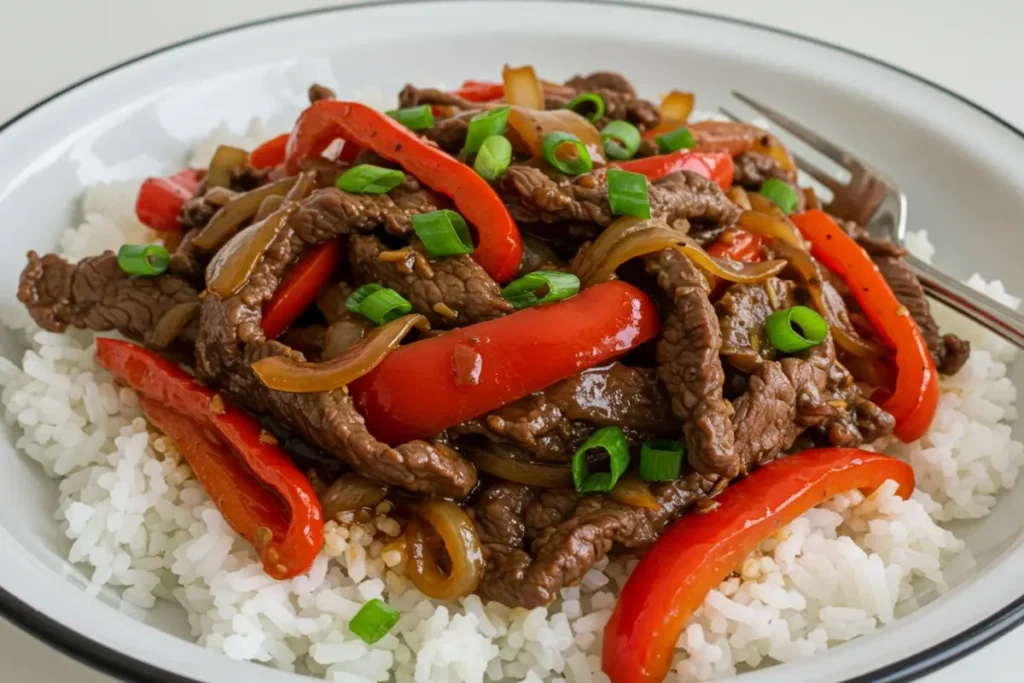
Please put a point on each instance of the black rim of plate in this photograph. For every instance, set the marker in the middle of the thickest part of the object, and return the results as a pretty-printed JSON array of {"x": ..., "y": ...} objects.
[{"x": 121, "y": 666}]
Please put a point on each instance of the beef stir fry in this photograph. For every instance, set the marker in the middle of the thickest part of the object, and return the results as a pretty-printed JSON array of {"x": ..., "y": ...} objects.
[{"x": 544, "y": 321}]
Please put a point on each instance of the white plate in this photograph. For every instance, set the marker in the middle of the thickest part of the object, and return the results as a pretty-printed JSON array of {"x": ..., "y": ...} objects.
[{"x": 958, "y": 164}]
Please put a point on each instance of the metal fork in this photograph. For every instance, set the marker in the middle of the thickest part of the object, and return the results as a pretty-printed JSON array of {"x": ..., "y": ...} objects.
[{"x": 874, "y": 201}]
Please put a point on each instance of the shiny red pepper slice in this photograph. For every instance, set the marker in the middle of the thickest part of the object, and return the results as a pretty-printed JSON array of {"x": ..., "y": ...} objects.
[
  {"x": 270, "y": 153},
  {"x": 251, "y": 479},
  {"x": 299, "y": 287},
  {"x": 916, "y": 395},
  {"x": 738, "y": 245},
  {"x": 160, "y": 199},
  {"x": 480, "y": 91},
  {"x": 500, "y": 247},
  {"x": 700, "y": 550},
  {"x": 717, "y": 166},
  {"x": 425, "y": 387}
]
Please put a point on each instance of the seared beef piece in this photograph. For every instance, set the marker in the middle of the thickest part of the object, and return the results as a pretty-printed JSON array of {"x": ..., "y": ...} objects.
[
  {"x": 411, "y": 96},
  {"x": 188, "y": 261},
  {"x": 319, "y": 92},
  {"x": 949, "y": 351},
  {"x": 602, "y": 80},
  {"x": 742, "y": 311},
  {"x": 197, "y": 211},
  {"x": 753, "y": 168},
  {"x": 689, "y": 365},
  {"x": 620, "y": 99},
  {"x": 564, "y": 545},
  {"x": 95, "y": 294},
  {"x": 437, "y": 287},
  {"x": 551, "y": 424},
  {"x": 535, "y": 197},
  {"x": 450, "y": 133},
  {"x": 231, "y": 340}
]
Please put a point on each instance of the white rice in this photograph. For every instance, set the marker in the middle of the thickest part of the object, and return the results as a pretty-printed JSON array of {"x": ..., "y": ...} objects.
[{"x": 139, "y": 523}]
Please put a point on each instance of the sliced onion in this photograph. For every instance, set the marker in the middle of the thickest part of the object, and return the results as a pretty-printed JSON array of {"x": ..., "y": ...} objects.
[
  {"x": 522, "y": 87},
  {"x": 343, "y": 334},
  {"x": 589, "y": 258},
  {"x": 230, "y": 217},
  {"x": 676, "y": 107},
  {"x": 286, "y": 374},
  {"x": 633, "y": 491},
  {"x": 233, "y": 263},
  {"x": 226, "y": 160},
  {"x": 520, "y": 471},
  {"x": 461, "y": 541},
  {"x": 740, "y": 197},
  {"x": 351, "y": 492},
  {"x": 171, "y": 324},
  {"x": 830, "y": 304},
  {"x": 772, "y": 226},
  {"x": 658, "y": 236},
  {"x": 536, "y": 254},
  {"x": 269, "y": 206},
  {"x": 527, "y": 127}
]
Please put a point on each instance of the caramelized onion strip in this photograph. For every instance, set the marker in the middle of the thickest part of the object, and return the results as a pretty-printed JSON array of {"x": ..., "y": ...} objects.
[
  {"x": 225, "y": 161},
  {"x": 522, "y": 87},
  {"x": 286, "y": 374},
  {"x": 232, "y": 265},
  {"x": 522, "y": 472},
  {"x": 461, "y": 542},
  {"x": 676, "y": 107},
  {"x": 230, "y": 217},
  {"x": 171, "y": 324},
  {"x": 527, "y": 127},
  {"x": 776, "y": 227},
  {"x": 633, "y": 491}
]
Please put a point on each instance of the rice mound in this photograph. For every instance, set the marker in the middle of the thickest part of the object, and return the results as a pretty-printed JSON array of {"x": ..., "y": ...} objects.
[{"x": 139, "y": 523}]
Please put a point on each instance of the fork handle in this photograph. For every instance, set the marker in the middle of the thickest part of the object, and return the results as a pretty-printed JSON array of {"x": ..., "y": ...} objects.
[{"x": 1003, "y": 320}]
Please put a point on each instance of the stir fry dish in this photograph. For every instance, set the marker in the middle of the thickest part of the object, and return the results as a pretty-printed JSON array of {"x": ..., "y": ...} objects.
[{"x": 545, "y": 321}]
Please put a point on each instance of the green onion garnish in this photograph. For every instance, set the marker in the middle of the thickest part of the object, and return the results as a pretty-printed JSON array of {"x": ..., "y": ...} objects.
[
  {"x": 661, "y": 460},
  {"x": 566, "y": 153},
  {"x": 612, "y": 441},
  {"x": 443, "y": 232},
  {"x": 493, "y": 158},
  {"x": 627, "y": 193},
  {"x": 590, "y": 100},
  {"x": 369, "y": 179},
  {"x": 378, "y": 303},
  {"x": 621, "y": 140},
  {"x": 795, "y": 329},
  {"x": 680, "y": 138},
  {"x": 781, "y": 193},
  {"x": 483, "y": 126},
  {"x": 143, "y": 259},
  {"x": 373, "y": 621},
  {"x": 414, "y": 118},
  {"x": 541, "y": 287}
]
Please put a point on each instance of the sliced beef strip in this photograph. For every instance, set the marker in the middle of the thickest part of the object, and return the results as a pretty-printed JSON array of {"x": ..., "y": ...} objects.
[
  {"x": 319, "y": 92},
  {"x": 188, "y": 261},
  {"x": 949, "y": 351},
  {"x": 411, "y": 96},
  {"x": 602, "y": 80},
  {"x": 690, "y": 366},
  {"x": 437, "y": 288},
  {"x": 742, "y": 311},
  {"x": 565, "y": 545},
  {"x": 753, "y": 168},
  {"x": 231, "y": 340},
  {"x": 95, "y": 294},
  {"x": 620, "y": 99},
  {"x": 536, "y": 197},
  {"x": 450, "y": 133},
  {"x": 551, "y": 424}
]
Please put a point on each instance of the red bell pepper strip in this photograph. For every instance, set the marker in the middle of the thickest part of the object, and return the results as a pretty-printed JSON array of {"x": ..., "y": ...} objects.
[
  {"x": 251, "y": 479},
  {"x": 469, "y": 371},
  {"x": 160, "y": 199},
  {"x": 738, "y": 245},
  {"x": 716, "y": 166},
  {"x": 700, "y": 550},
  {"x": 480, "y": 91},
  {"x": 916, "y": 395},
  {"x": 500, "y": 247},
  {"x": 299, "y": 287},
  {"x": 270, "y": 153}
]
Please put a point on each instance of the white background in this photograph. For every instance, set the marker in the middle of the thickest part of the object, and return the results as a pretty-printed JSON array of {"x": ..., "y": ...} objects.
[{"x": 972, "y": 48}]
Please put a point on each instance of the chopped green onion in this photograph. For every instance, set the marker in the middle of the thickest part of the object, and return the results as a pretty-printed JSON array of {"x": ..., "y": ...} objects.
[
  {"x": 621, "y": 140},
  {"x": 661, "y": 460},
  {"x": 143, "y": 259},
  {"x": 373, "y": 621},
  {"x": 566, "y": 153},
  {"x": 369, "y": 179},
  {"x": 680, "y": 138},
  {"x": 378, "y": 303},
  {"x": 551, "y": 285},
  {"x": 795, "y": 329},
  {"x": 781, "y": 193},
  {"x": 627, "y": 193},
  {"x": 443, "y": 232},
  {"x": 483, "y": 126},
  {"x": 588, "y": 98},
  {"x": 611, "y": 440},
  {"x": 414, "y": 118},
  {"x": 493, "y": 158}
]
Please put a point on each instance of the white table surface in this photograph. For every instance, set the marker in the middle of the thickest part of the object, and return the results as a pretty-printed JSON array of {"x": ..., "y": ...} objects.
[{"x": 46, "y": 44}]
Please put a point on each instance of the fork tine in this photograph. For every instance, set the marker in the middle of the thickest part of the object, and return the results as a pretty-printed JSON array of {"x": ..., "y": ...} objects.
[
  {"x": 822, "y": 176},
  {"x": 730, "y": 115},
  {"x": 832, "y": 151}
]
